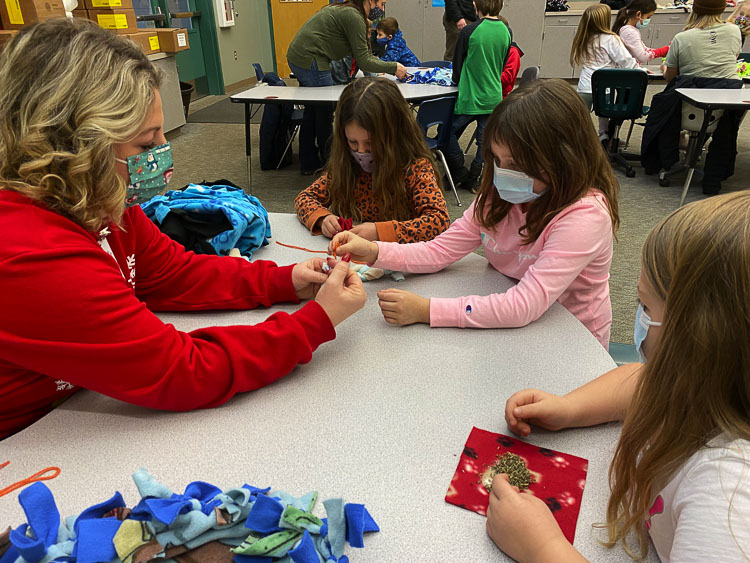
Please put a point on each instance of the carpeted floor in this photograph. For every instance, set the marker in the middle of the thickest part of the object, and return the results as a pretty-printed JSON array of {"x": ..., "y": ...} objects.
[
  {"x": 208, "y": 151},
  {"x": 224, "y": 112}
]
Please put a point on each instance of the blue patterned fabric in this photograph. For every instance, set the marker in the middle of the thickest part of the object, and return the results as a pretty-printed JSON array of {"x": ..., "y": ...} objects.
[
  {"x": 441, "y": 76},
  {"x": 251, "y": 228}
]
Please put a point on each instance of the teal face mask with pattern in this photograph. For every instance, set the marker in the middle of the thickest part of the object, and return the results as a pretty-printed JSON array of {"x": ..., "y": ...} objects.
[{"x": 150, "y": 172}]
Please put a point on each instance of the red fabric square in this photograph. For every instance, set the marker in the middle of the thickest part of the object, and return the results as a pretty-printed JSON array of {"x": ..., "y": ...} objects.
[
  {"x": 345, "y": 224},
  {"x": 558, "y": 478}
]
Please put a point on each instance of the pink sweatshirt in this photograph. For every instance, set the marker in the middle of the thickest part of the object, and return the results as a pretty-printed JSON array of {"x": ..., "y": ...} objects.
[{"x": 569, "y": 263}]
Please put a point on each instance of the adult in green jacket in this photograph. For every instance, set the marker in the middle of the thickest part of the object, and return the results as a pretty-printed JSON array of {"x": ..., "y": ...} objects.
[{"x": 334, "y": 32}]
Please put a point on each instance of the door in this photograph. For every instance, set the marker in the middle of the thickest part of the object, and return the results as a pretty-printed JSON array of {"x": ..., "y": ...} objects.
[
  {"x": 200, "y": 64},
  {"x": 288, "y": 16}
]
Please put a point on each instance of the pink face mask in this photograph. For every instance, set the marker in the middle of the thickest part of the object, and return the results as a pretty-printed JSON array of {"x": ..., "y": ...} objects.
[{"x": 364, "y": 159}]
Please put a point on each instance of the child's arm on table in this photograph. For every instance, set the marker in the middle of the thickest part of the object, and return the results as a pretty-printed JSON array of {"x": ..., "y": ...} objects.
[{"x": 311, "y": 209}]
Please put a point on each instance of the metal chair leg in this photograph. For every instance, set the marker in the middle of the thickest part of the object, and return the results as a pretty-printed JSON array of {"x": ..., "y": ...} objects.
[
  {"x": 473, "y": 138},
  {"x": 448, "y": 173},
  {"x": 289, "y": 144},
  {"x": 686, "y": 187},
  {"x": 630, "y": 132}
]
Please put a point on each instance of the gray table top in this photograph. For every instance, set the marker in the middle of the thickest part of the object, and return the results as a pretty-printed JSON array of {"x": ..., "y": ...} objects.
[
  {"x": 716, "y": 98},
  {"x": 265, "y": 94},
  {"x": 379, "y": 416}
]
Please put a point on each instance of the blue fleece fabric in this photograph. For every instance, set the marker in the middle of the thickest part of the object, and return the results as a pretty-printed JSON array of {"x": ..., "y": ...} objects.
[
  {"x": 358, "y": 522},
  {"x": 248, "y": 559},
  {"x": 95, "y": 540},
  {"x": 265, "y": 515},
  {"x": 251, "y": 228},
  {"x": 396, "y": 50},
  {"x": 305, "y": 551},
  {"x": 438, "y": 76},
  {"x": 44, "y": 520}
]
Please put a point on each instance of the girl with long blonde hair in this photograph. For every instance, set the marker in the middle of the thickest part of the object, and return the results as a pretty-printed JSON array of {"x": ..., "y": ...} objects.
[
  {"x": 545, "y": 215},
  {"x": 381, "y": 175},
  {"x": 681, "y": 471},
  {"x": 596, "y": 46},
  {"x": 79, "y": 109}
]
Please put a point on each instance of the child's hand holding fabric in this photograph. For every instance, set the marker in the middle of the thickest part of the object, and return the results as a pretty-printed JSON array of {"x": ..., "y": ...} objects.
[
  {"x": 401, "y": 307},
  {"x": 329, "y": 225},
  {"x": 307, "y": 277},
  {"x": 342, "y": 294},
  {"x": 361, "y": 250},
  {"x": 366, "y": 230},
  {"x": 523, "y": 526}
]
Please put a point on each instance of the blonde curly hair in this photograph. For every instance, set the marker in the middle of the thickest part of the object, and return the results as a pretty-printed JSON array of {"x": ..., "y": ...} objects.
[{"x": 70, "y": 91}]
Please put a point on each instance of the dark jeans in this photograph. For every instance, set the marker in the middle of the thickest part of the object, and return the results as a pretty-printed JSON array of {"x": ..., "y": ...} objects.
[
  {"x": 460, "y": 122},
  {"x": 317, "y": 120}
]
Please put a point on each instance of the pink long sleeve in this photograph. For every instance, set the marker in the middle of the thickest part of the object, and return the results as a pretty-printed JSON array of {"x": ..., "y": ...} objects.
[{"x": 568, "y": 263}]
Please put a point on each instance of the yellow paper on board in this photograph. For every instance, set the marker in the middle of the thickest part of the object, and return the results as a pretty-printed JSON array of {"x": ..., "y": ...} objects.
[
  {"x": 14, "y": 12},
  {"x": 154, "y": 43},
  {"x": 106, "y": 3}
]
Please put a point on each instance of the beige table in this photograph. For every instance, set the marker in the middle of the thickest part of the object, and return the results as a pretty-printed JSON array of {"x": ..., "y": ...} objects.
[{"x": 379, "y": 416}]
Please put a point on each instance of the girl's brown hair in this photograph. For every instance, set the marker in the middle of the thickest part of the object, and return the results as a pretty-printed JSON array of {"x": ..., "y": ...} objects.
[
  {"x": 70, "y": 91},
  {"x": 625, "y": 14},
  {"x": 396, "y": 141},
  {"x": 595, "y": 21},
  {"x": 702, "y": 21},
  {"x": 696, "y": 383},
  {"x": 548, "y": 131}
]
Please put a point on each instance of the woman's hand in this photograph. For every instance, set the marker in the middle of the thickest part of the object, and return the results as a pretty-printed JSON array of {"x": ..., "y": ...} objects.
[
  {"x": 343, "y": 294},
  {"x": 366, "y": 230},
  {"x": 401, "y": 307},
  {"x": 307, "y": 277},
  {"x": 400, "y": 71},
  {"x": 532, "y": 406},
  {"x": 461, "y": 24},
  {"x": 329, "y": 225},
  {"x": 361, "y": 250},
  {"x": 523, "y": 526}
]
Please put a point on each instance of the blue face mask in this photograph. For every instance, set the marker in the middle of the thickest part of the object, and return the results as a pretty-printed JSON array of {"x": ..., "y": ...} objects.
[
  {"x": 382, "y": 41},
  {"x": 643, "y": 23},
  {"x": 642, "y": 322},
  {"x": 514, "y": 187}
]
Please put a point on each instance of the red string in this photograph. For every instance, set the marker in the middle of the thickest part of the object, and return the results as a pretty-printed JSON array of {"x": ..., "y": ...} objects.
[{"x": 38, "y": 476}]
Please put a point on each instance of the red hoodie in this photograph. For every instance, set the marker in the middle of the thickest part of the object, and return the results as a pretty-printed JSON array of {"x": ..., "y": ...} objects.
[{"x": 72, "y": 316}]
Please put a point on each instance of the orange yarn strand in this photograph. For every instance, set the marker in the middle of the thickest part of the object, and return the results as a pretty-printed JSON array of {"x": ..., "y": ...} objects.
[{"x": 38, "y": 476}]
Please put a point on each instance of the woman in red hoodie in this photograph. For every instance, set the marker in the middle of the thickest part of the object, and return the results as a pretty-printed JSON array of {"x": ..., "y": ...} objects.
[{"x": 79, "y": 107}]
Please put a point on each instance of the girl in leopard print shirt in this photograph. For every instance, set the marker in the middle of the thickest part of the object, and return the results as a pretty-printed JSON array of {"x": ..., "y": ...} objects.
[{"x": 380, "y": 173}]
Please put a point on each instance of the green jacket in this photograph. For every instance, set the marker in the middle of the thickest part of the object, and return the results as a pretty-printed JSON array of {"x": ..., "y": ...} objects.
[{"x": 332, "y": 34}]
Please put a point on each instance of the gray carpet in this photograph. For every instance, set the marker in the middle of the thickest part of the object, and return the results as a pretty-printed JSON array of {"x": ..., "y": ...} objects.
[
  {"x": 224, "y": 112},
  {"x": 212, "y": 151}
]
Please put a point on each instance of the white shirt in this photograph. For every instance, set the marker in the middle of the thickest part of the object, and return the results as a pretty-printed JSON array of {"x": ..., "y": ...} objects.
[
  {"x": 607, "y": 52},
  {"x": 703, "y": 514}
]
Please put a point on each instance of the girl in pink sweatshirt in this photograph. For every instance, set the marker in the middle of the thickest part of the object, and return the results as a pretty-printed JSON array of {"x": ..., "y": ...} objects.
[{"x": 545, "y": 216}]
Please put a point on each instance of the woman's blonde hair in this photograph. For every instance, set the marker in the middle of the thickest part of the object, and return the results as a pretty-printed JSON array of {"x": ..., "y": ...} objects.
[
  {"x": 548, "y": 131},
  {"x": 702, "y": 22},
  {"x": 595, "y": 21},
  {"x": 70, "y": 91},
  {"x": 696, "y": 384},
  {"x": 396, "y": 141}
]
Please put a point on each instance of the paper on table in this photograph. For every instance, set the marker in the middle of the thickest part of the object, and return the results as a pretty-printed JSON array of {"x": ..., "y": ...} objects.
[{"x": 558, "y": 478}]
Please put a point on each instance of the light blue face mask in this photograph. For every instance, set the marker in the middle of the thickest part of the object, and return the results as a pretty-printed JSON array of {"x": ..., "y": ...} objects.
[
  {"x": 642, "y": 322},
  {"x": 514, "y": 187},
  {"x": 643, "y": 23}
]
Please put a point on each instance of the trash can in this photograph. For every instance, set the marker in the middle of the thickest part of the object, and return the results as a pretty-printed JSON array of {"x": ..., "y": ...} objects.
[{"x": 187, "y": 91}]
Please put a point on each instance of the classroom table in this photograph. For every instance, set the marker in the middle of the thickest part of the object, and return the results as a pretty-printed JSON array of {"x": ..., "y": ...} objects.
[
  {"x": 709, "y": 100},
  {"x": 379, "y": 416},
  {"x": 264, "y": 94}
]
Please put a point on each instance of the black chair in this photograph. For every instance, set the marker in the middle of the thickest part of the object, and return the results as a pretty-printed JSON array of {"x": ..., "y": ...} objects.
[
  {"x": 618, "y": 94},
  {"x": 258, "y": 72},
  {"x": 528, "y": 76},
  {"x": 439, "y": 112},
  {"x": 433, "y": 64}
]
